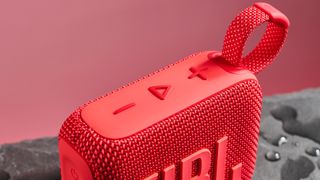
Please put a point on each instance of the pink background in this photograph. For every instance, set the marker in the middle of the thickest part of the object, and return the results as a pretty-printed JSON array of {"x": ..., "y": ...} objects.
[{"x": 56, "y": 55}]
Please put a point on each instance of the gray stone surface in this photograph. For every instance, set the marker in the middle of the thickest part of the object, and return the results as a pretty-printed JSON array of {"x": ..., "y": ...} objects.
[
  {"x": 290, "y": 127},
  {"x": 297, "y": 117},
  {"x": 30, "y": 160}
]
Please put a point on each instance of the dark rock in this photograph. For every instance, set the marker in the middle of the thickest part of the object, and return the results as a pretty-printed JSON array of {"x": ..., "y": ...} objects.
[
  {"x": 4, "y": 175},
  {"x": 34, "y": 160}
]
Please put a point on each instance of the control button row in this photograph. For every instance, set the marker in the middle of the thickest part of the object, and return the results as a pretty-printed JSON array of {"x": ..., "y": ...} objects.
[{"x": 161, "y": 91}]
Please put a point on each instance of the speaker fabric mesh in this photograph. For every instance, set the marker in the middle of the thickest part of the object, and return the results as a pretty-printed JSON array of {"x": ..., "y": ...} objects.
[{"x": 233, "y": 112}]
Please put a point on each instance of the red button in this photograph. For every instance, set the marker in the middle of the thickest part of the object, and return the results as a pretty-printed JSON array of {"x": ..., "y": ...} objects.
[
  {"x": 123, "y": 108},
  {"x": 197, "y": 72},
  {"x": 160, "y": 91}
]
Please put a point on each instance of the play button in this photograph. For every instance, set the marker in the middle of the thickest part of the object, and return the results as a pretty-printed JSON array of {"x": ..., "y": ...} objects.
[{"x": 160, "y": 91}]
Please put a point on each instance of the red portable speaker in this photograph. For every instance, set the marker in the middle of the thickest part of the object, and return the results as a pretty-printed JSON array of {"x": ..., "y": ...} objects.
[{"x": 195, "y": 119}]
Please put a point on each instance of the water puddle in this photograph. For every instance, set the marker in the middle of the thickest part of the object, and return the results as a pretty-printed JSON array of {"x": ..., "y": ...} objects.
[
  {"x": 295, "y": 169},
  {"x": 288, "y": 115}
]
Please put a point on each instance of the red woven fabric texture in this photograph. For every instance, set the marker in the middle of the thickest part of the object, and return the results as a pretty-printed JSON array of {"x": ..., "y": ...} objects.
[
  {"x": 238, "y": 33},
  {"x": 234, "y": 112}
]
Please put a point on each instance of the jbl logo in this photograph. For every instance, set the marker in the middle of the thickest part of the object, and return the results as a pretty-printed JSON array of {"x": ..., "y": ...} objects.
[{"x": 203, "y": 156}]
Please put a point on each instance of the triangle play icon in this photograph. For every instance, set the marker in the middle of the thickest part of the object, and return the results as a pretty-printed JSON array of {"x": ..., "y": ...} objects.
[{"x": 160, "y": 91}]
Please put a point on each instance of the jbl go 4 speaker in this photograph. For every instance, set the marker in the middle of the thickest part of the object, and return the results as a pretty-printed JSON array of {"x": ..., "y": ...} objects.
[{"x": 195, "y": 119}]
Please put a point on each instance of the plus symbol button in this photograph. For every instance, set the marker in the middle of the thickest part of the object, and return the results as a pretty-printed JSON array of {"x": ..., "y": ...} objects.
[{"x": 197, "y": 72}]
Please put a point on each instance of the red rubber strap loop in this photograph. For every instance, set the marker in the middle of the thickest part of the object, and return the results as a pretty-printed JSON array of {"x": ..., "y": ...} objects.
[{"x": 268, "y": 47}]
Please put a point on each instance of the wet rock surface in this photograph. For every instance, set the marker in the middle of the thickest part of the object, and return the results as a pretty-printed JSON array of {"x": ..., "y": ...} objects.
[
  {"x": 30, "y": 160},
  {"x": 290, "y": 125},
  {"x": 288, "y": 146}
]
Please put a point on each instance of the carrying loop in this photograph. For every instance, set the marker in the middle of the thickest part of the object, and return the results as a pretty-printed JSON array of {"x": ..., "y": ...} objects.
[{"x": 268, "y": 47}]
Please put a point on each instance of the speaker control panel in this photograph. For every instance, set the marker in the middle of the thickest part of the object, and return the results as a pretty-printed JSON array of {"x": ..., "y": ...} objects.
[{"x": 160, "y": 95}]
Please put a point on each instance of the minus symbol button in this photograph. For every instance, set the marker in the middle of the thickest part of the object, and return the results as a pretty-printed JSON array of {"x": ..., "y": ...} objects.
[{"x": 123, "y": 108}]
